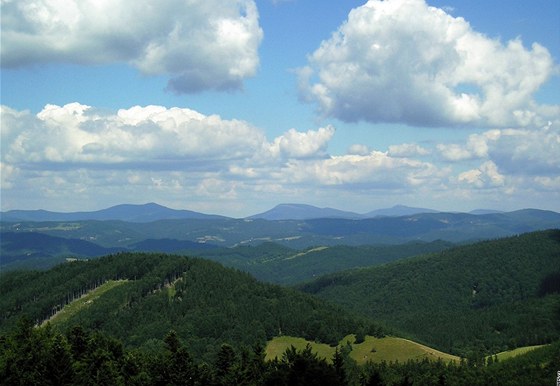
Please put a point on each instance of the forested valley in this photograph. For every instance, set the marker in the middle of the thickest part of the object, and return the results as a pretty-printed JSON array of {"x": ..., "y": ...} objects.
[{"x": 158, "y": 319}]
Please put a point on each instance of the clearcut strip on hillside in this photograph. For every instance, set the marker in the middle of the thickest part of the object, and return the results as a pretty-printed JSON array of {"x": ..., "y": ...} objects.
[{"x": 73, "y": 308}]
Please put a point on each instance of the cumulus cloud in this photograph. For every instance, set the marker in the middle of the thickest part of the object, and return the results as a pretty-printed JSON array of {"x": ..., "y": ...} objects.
[
  {"x": 515, "y": 151},
  {"x": 487, "y": 175},
  {"x": 79, "y": 134},
  {"x": 358, "y": 149},
  {"x": 76, "y": 153},
  {"x": 404, "y": 61},
  {"x": 7, "y": 173},
  {"x": 528, "y": 152},
  {"x": 376, "y": 170},
  {"x": 78, "y": 150},
  {"x": 407, "y": 150},
  {"x": 201, "y": 44},
  {"x": 295, "y": 144},
  {"x": 148, "y": 137}
]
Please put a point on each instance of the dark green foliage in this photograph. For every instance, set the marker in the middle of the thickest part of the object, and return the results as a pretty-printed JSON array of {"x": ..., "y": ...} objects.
[
  {"x": 303, "y": 368},
  {"x": 203, "y": 302},
  {"x": 41, "y": 356},
  {"x": 486, "y": 297},
  {"x": 550, "y": 284}
]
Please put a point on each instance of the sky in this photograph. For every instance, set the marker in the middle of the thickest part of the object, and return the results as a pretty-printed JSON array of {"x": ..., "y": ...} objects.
[{"x": 235, "y": 106}]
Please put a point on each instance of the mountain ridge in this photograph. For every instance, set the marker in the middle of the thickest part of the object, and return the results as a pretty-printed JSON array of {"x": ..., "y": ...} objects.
[
  {"x": 302, "y": 212},
  {"x": 124, "y": 212},
  {"x": 301, "y": 234},
  {"x": 149, "y": 212},
  {"x": 398, "y": 210}
]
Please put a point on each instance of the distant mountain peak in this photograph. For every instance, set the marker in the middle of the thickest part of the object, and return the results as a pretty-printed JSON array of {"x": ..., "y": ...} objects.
[
  {"x": 291, "y": 211},
  {"x": 123, "y": 212},
  {"x": 398, "y": 210}
]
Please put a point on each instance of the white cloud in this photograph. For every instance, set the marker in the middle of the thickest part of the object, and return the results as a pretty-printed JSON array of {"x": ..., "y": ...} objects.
[
  {"x": 376, "y": 170},
  {"x": 200, "y": 44},
  {"x": 358, "y": 149},
  {"x": 296, "y": 144},
  {"x": 552, "y": 183},
  {"x": 7, "y": 174},
  {"x": 178, "y": 152},
  {"x": 528, "y": 152},
  {"x": 515, "y": 151},
  {"x": 75, "y": 155},
  {"x": 407, "y": 150},
  {"x": 454, "y": 152},
  {"x": 403, "y": 61},
  {"x": 151, "y": 135},
  {"x": 487, "y": 175}
]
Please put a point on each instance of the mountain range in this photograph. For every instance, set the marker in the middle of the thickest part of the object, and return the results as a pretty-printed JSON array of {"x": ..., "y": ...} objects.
[
  {"x": 154, "y": 212},
  {"x": 125, "y": 212}
]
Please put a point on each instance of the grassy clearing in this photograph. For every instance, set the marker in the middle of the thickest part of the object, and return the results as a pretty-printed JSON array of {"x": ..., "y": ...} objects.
[
  {"x": 277, "y": 346},
  {"x": 77, "y": 305},
  {"x": 518, "y": 351},
  {"x": 372, "y": 349},
  {"x": 392, "y": 349},
  {"x": 389, "y": 349}
]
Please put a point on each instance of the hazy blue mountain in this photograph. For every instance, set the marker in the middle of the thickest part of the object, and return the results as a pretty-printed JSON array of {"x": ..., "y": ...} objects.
[
  {"x": 301, "y": 234},
  {"x": 397, "y": 211},
  {"x": 39, "y": 250},
  {"x": 126, "y": 212},
  {"x": 454, "y": 227},
  {"x": 303, "y": 212},
  {"x": 170, "y": 246},
  {"x": 485, "y": 211}
]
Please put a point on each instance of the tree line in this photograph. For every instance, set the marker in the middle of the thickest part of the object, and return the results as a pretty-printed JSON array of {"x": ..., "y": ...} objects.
[{"x": 44, "y": 356}]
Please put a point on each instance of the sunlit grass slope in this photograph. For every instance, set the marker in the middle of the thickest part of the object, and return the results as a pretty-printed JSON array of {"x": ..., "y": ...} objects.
[
  {"x": 372, "y": 349},
  {"x": 518, "y": 351}
]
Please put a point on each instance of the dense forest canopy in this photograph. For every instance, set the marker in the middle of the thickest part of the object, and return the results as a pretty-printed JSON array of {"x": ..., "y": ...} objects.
[
  {"x": 205, "y": 303},
  {"x": 488, "y": 296},
  {"x": 78, "y": 356}
]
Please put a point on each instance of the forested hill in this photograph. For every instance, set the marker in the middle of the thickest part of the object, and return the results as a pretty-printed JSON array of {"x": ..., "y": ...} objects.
[
  {"x": 205, "y": 303},
  {"x": 277, "y": 264},
  {"x": 485, "y": 297}
]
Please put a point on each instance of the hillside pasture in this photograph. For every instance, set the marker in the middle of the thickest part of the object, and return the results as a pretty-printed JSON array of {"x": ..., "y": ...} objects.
[{"x": 389, "y": 349}]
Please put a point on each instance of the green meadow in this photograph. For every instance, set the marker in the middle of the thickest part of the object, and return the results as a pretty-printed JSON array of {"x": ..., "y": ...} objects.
[
  {"x": 518, "y": 351},
  {"x": 389, "y": 349}
]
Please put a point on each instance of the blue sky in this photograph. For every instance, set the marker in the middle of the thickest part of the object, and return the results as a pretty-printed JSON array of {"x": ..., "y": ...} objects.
[{"x": 232, "y": 107}]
